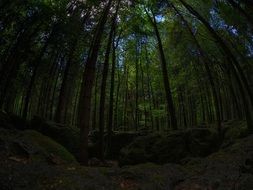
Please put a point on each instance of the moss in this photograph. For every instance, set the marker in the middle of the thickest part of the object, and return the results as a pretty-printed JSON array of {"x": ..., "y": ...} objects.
[
  {"x": 120, "y": 140},
  {"x": 48, "y": 146},
  {"x": 174, "y": 147},
  {"x": 169, "y": 149},
  {"x": 133, "y": 156},
  {"x": 66, "y": 136},
  {"x": 146, "y": 166},
  {"x": 235, "y": 130},
  {"x": 139, "y": 151},
  {"x": 202, "y": 141}
]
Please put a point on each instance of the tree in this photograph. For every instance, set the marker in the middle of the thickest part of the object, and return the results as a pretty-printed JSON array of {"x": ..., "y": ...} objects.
[
  {"x": 170, "y": 105},
  {"x": 87, "y": 85}
]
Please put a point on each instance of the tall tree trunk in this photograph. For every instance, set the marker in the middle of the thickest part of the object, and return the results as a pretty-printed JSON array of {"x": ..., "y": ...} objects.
[
  {"x": 62, "y": 103},
  {"x": 136, "y": 124},
  {"x": 171, "y": 113},
  {"x": 61, "y": 109},
  {"x": 231, "y": 65},
  {"x": 12, "y": 65},
  {"x": 37, "y": 62},
  {"x": 87, "y": 85},
  {"x": 103, "y": 90}
]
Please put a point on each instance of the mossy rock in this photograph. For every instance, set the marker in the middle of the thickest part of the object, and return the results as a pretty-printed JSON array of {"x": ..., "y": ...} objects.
[
  {"x": 66, "y": 136},
  {"x": 139, "y": 151},
  {"x": 229, "y": 168},
  {"x": 234, "y": 130},
  {"x": 202, "y": 141},
  {"x": 29, "y": 146},
  {"x": 172, "y": 148},
  {"x": 120, "y": 140},
  {"x": 48, "y": 146}
]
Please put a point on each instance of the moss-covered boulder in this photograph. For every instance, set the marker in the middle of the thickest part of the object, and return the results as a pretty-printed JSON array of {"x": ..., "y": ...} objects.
[
  {"x": 202, "y": 141},
  {"x": 28, "y": 146},
  {"x": 66, "y": 136},
  {"x": 229, "y": 168},
  {"x": 139, "y": 151},
  {"x": 234, "y": 130},
  {"x": 173, "y": 147},
  {"x": 120, "y": 140}
]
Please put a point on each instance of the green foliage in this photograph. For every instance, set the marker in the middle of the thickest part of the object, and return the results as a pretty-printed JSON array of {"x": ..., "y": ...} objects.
[{"x": 44, "y": 42}]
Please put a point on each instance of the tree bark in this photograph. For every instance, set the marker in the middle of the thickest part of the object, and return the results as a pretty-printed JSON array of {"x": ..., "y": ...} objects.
[
  {"x": 103, "y": 90},
  {"x": 241, "y": 79},
  {"x": 171, "y": 113},
  {"x": 87, "y": 85}
]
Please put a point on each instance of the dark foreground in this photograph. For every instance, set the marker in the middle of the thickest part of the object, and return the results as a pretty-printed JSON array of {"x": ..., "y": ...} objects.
[{"x": 32, "y": 161}]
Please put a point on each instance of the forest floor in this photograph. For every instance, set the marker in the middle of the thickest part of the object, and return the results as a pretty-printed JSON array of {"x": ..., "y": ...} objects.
[{"x": 32, "y": 161}]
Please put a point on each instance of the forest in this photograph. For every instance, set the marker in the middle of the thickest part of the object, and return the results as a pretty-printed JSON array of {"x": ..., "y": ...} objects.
[{"x": 126, "y": 94}]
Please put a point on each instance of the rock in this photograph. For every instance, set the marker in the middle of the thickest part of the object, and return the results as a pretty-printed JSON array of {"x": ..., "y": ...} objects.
[
  {"x": 93, "y": 144},
  {"x": 27, "y": 146},
  {"x": 139, "y": 151},
  {"x": 234, "y": 130},
  {"x": 177, "y": 145},
  {"x": 120, "y": 140},
  {"x": 228, "y": 169},
  {"x": 41, "y": 176},
  {"x": 69, "y": 138},
  {"x": 66, "y": 136},
  {"x": 150, "y": 176},
  {"x": 202, "y": 141},
  {"x": 171, "y": 148}
]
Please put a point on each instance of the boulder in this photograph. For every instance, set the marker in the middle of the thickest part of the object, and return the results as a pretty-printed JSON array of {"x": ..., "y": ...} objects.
[
  {"x": 118, "y": 141},
  {"x": 66, "y": 136},
  {"x": 234, "y": 130},
  {"x": 175, "y": 146},
  {"x": 228, "y": 169},
  {"x": 69, "y": 138},
  {"x": 171, "y": 148},
  {"x": 202, "y": 141},
  {"x": 139, "y": 151},
  {"x": 28, "y": 146}
]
